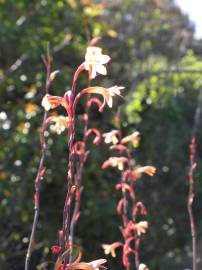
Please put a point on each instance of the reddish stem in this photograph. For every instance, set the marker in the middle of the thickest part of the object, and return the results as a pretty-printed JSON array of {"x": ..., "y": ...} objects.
[
  {"x": 41, "y": 168},
  {"x": 79, "y": 190},
  {"x": 191, "y": 199}
]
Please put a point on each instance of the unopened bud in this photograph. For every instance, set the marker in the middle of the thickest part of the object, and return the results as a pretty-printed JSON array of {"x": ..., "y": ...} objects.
[{"x": 53, "y": 75}]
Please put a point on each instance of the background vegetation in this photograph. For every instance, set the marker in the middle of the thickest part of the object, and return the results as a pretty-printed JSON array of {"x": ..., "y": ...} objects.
[{"x": 157, "y": 58}]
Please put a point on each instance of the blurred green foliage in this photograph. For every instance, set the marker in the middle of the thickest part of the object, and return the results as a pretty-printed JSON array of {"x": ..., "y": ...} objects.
[{"x": 156, "y": 57}]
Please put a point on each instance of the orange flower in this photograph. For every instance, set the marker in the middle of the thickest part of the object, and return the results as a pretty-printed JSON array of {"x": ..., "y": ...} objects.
[
  {"x": 111, "y": 137},
  {"x": 134, "y": 138},
  {"x": 94, "y": 62},
  {"x": 115, "y": 162},
  {"x": 30, "y": 108},
  {"x": 51, "y": 102},
  {"x": 150, "y": 170},
  {"x": 61, "y": 123},
  {"x": 141, "y": 227},
  {"x": 107, "y": 93},
  {"x": 110, "y": 249}
]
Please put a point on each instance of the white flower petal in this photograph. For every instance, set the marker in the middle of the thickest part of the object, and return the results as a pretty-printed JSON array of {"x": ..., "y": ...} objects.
[
  {"x": 93, "y": 74},
  {"x": 100, "y": 69},
  {"x": 104, "y": 59},
  {"x": 109, "y": 102},
  {"x": 45, "y": 103}
]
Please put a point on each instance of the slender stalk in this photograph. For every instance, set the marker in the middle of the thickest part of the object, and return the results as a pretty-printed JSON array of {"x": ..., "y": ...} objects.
[
  {"x": 70, "y": 168},
  {"x": 36, "y": 196},
  {"x": 79, "y": 177},
  {"x": 190, "y": 201},
  {"x": 70, "y": 189},
  {"x": 41, "y": 168},
  {"x": 191, "y": 179},
  {"x": 137, "y": 242}
]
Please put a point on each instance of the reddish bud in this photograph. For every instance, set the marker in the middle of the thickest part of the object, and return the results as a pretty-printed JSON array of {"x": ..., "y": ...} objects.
[
  {"x": 125, "y": 187},
  {"x": 96, "y": 101},
  {"x": 122, "y": 203},
  {"x": 61, "y": 267},
  {"x": 53, "y": 75},
  {"x": 85, "y": 117},
  {"x": 79, "y": 148},
  {"x": 140, "y": 206},
  {"x": 97, "y": 135},
  {"x": 42, "y": 172},
  {"x": 56, "y": 249}
]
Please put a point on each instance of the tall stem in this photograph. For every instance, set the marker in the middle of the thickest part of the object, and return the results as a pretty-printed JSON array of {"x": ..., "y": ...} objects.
[
  {"x": 41, "y": 168},
  {"x": 37, "y": 195},
  {"x": 70, "y": 177},
  {"x": 79, "y": 181},
  {"x": 191, "y": 179},
  {"x": 190, "y": 202}
]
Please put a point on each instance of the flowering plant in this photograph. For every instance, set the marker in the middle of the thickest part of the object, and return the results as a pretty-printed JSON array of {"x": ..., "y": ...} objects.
[
  {"x": 128, "y": 206},
  {"x": 94, "y": 64}
]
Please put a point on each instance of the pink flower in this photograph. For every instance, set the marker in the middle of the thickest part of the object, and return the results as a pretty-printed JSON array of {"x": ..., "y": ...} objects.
[
  {"x": 110, "y": 249},
  {"x": 95, "y": 61},
  {"x": 111, "y": 137}
]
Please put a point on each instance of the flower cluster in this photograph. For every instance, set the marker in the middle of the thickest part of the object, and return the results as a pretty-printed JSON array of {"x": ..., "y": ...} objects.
[
  {"x": 128, "y": 207},
  {"x": 94, "y": 63}
]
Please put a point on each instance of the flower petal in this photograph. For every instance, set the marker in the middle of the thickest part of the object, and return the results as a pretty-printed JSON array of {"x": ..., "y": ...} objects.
[{"x": 99, "y": 68}]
